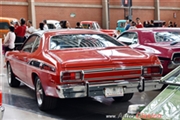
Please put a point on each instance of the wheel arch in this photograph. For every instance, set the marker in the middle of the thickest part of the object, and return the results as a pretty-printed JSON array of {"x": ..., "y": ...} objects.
[{"x": 34, "y": 75}]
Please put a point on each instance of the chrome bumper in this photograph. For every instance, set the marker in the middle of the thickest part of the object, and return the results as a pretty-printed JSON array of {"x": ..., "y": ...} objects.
[
  {"x": 97, "y": 89},
  {"x": 1, "y": 112}
]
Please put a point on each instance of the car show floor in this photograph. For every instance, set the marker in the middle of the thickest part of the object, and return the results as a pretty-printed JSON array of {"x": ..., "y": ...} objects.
[{"x": 20, "y": 104}]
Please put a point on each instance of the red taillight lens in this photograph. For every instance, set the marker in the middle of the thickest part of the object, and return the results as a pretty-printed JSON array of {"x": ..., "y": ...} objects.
[
  {"x": 153, "y": 70},
  {"x": 72, "y": 76}
]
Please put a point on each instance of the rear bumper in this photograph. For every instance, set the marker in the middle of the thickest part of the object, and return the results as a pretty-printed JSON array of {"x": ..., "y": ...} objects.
[
  {"x": 98, "y": 89},
  {"x": 1, "y": 112}
]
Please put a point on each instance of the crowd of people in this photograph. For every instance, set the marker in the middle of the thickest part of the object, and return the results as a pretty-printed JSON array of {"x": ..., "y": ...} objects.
[
  {"x": 20, "y": 30},
  {"x": 133, "y": 25},
  {"x": 130, "y": 24}
]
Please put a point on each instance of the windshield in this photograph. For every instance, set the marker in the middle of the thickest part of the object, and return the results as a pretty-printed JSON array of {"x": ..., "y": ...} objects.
[
  {"x": 82, "y": 41},
  {"x": 167, "y": 36}
]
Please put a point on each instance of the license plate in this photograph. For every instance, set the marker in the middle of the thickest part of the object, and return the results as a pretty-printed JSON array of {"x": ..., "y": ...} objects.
[{"x": 114, "y": 91}]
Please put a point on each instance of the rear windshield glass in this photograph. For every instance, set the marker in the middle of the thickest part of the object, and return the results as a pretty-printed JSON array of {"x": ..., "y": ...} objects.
[
  {"x": 82, "y": 41},
  {"x": 167, "y": 36}
]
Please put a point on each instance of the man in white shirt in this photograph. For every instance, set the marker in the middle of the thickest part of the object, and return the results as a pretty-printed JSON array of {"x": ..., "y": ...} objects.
[
  {"x": 9, "y": 40},
  {"x": 45, "y": 25},
  {"x": 30, "y": 29}
]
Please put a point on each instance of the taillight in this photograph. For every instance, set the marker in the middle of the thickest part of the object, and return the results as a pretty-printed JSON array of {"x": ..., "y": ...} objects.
[
  {"x": 71, "y": 76},
  {"x": 152, "y": 70}
]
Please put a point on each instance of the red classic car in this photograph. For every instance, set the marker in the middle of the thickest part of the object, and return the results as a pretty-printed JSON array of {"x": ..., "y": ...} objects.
[
  {"x": 95, "y": 26},
  {"x": 162, "y": 42},
  {"x": 75, "y": 63}
]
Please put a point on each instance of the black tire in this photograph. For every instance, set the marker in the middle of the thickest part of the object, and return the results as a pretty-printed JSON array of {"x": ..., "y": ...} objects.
[
  {"x": 12, "y": 81},
  {"x": 124, "y": 98},
  {"x": 44, "y": 102}
]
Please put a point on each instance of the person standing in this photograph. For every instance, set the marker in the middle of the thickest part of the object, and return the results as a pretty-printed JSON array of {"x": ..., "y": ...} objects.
[
  {"x": 133, "y": 25},
  {"x": 78, "y": 25},
  {"x": 45, "y": 25},
  {"x": 151, "y": 23},
  {"x": 30, "y": 29},
  {"x": 170, "y": 24},
  {"x": 128, "y": 24},
  {"x": 138, "y": 23},
  {"x": 9, "y": 40},
  {"x": 20, "y": 32},
  {"x": 66, "y": 24}
]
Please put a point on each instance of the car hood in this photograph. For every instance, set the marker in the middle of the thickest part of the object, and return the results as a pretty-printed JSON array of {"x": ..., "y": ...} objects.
[{"x": 98, "y": 57}]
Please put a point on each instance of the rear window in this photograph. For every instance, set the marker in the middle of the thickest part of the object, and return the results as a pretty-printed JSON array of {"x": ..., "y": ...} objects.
[
  {"x": 167, "y": 36},
  {"x": 82, "y": 41},
  {"x": 4, "y": 25}
]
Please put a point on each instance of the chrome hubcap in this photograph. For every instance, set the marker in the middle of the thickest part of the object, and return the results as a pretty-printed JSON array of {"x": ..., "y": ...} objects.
[{"x": 39, "y": 92}]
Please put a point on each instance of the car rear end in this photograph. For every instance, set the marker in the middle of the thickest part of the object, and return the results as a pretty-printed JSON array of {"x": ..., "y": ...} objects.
[
  {"x": 108, "y": 82},
  {"x": 109, "y": 78}
]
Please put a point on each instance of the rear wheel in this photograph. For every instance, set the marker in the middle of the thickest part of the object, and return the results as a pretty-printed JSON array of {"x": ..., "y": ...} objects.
[
  {"x": 12, "y": 81},
  {"x": 124, "y": 98},
  {"x": 44, "y": 102}
]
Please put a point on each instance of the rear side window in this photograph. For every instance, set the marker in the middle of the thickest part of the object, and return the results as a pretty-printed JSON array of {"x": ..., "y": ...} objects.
[{"x": 4, "y": 25}]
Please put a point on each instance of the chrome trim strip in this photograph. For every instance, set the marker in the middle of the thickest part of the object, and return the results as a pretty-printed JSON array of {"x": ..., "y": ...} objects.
[
  {"x": 112, "y": 69},
  {"x": 33, "y": 88},
  {"x": 113, "y": 77}
]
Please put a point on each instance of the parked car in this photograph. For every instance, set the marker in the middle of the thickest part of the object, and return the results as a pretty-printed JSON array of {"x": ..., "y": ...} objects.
[
  {"x": 5, "y": 22},
  {"x": 95, "y": 26},
  {"x": 162, "y": 42},
  {"x": 73, "y": 63},
  {"x": 121, "y": 25},
  {"x": 53, "y": 24},
  {"x": 165, "y": 106}
]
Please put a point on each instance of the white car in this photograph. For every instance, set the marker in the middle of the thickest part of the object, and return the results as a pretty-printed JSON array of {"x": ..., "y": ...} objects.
[{"x": 53, "y": 24}]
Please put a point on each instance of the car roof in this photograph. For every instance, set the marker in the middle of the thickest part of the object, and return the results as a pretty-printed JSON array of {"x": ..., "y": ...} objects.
[
  {"x": 67, "y": 31},
  {"x": 121, "y": 21},
  {"x": 52, "y": 21},
  {"x": 88, "y": 22},
  {"x": 155, "y": 29},
  {"x": 159, "y": 21},
  {"x": 8, "y": 18}
]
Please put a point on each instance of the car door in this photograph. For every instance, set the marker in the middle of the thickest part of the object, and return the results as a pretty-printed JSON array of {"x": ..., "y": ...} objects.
[
  {"x": 23, "y": 57},
  {"x": 32, "y": 57}
]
